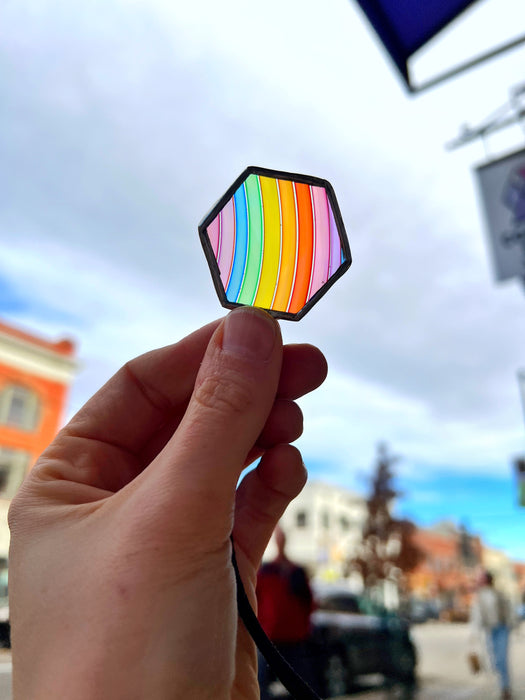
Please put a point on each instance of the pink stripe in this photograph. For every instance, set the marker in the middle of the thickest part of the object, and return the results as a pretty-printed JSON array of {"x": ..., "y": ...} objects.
[
  {"x": 214, "y": 236},
  {"x": 335, "y": 245},
  {"x": 225, "y": 259},
  {"x": 322, "y": 240}
]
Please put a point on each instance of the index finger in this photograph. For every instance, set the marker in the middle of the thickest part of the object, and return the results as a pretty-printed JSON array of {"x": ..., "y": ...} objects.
[{"x": 304, "y": 368}]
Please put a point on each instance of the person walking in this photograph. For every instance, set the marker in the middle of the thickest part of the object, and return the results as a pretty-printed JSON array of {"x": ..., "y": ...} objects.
[
  {"x": 284, "y": 606},
  {"x": 491, "y": 619}
]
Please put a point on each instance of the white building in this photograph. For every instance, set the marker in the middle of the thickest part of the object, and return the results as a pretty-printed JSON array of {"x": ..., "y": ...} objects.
[{"x": 323, "y": 527}]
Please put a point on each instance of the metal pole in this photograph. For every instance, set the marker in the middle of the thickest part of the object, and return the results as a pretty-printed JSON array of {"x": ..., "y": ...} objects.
[
  {"x": 470, "y": 134},
  {"x": 521, "y": 384}
]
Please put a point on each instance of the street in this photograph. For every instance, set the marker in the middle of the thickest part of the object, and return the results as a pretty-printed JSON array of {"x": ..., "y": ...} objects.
[{"x": 443, "y": 672}]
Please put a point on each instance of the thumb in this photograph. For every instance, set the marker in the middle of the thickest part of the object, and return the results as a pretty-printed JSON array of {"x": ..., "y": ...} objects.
[{"x": 232, "y": 398}]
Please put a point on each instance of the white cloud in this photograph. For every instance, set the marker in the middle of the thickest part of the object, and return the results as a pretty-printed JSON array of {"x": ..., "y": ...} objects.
[{"x": 346, "y": 418}]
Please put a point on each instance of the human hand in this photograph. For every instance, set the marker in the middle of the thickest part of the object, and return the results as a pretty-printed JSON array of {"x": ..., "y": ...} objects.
[{"x": 121, "y": 584}]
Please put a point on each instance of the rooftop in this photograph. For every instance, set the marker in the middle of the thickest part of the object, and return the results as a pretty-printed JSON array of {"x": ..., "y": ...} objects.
[{"x": 63, "y": 346}]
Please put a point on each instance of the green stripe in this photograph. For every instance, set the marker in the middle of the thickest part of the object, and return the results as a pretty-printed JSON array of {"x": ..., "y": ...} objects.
[{"x": 255, "y": 240}]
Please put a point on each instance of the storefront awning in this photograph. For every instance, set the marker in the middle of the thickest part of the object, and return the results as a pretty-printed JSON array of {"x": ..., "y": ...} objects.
[{"x": 404, "y": 26}]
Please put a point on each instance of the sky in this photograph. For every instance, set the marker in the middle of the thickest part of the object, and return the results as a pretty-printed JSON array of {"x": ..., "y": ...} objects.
[{"x": 123, "y": 121}]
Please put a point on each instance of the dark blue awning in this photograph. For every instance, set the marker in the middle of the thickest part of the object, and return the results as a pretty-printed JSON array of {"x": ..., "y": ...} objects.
[{"x": 404, "y": 26}]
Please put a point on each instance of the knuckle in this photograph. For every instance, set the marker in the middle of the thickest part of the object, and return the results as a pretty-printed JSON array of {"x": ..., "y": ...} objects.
[
  {"x": 21, "y": 513},
  {"x": 14, "y": 513},
  {"x": 225, "y": 391}
]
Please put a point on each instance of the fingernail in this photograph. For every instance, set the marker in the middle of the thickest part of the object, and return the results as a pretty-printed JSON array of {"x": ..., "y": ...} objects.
[{"x": 249, "y": 333}]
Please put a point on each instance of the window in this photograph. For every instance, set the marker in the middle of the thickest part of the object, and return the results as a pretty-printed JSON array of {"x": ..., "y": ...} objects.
[
  {"x": 19, "y": 407},
  {"x": 13, "y": 466},
  {"x": 300, "y": 519},
  {"x": 325, "y": 519}
]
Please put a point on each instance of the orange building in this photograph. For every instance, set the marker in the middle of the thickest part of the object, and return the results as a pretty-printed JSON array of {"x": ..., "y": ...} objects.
[
  {"x": 35, "y": 375},
  {"x": 448, "y": 570}
]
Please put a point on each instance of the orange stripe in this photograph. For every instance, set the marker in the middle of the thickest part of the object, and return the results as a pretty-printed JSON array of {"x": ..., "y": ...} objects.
[
  {"x": 305, "y": 247},
  {"x": 287, "y": 269}
]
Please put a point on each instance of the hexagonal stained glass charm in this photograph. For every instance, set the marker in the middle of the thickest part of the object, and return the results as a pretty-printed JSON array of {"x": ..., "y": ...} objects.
[{"x": 275, "y": 240}]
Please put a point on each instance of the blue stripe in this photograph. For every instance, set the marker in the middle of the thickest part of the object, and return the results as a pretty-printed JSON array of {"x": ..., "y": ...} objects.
[{"x": 241, "y": 245}]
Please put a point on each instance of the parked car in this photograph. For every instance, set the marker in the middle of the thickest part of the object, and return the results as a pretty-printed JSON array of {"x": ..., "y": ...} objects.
[
  {"x": 354, "y": 637},
  {"x": 418, "y": 610}
]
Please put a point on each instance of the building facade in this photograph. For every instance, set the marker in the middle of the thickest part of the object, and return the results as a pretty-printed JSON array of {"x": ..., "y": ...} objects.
[
  {"x": 505, "y": 572},
  {"x": 323, "y": 527},
  {"x": 519, "y": 569},
  {"x": 449, "y": 568},
  {"x": 35, "y": 375}
]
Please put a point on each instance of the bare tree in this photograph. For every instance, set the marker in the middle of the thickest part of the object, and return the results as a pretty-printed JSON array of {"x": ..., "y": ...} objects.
[{"x": 387, "y": 550}]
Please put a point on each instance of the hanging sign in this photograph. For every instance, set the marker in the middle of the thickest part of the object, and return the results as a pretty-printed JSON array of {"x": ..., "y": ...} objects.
[{"x": 502, "y": 190}]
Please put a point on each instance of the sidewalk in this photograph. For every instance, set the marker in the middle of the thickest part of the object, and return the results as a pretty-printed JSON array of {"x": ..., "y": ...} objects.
[{"x": 484, "y": 685}]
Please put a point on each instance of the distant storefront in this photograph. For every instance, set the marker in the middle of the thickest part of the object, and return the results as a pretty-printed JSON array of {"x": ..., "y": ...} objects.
[{"x": 449, "y": 568}]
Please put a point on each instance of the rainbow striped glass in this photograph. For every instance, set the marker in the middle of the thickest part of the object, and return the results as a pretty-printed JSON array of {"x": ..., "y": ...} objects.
[{"x": 275, "y": 240}]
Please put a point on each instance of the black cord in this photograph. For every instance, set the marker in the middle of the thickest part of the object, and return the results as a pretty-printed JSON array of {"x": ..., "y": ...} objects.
[{"x": 294, "y": 684}]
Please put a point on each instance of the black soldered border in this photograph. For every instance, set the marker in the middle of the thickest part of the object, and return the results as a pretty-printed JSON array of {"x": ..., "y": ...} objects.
[{"x": 281, "y": 175}]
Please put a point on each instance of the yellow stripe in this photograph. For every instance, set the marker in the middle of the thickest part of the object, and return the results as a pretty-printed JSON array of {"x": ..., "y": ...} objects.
[
  {"x": 289, "y": 244},
  {"x": 272, "y": 243}
]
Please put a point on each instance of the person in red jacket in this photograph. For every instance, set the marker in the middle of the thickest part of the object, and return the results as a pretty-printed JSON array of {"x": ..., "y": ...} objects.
[{"x": 284, "y": 606}]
